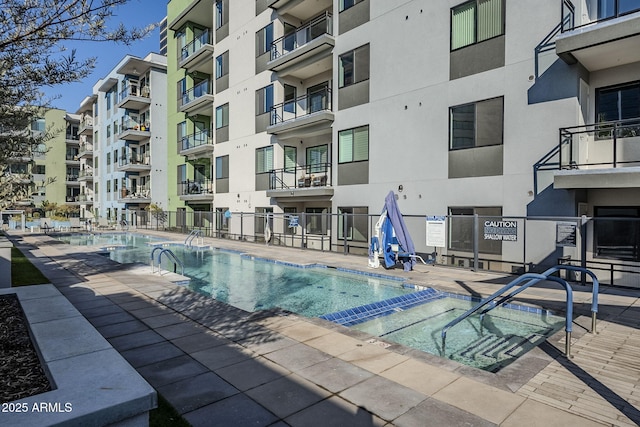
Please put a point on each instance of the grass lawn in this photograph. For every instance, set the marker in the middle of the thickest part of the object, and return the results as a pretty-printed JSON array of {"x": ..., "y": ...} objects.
[{"x": 23, "y": 272}]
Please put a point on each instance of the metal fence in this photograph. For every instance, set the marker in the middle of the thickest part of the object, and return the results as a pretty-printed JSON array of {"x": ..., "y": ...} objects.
[{"x": 609, "y": 246}]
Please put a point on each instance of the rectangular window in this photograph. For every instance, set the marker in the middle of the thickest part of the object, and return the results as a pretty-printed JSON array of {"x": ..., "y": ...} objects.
[
  {"x": 461, "y": 229},
  {"x": 346, "y": 4},
  {"x": 222, "y": 116},
  {"x": 108, "y": 131},
  {"x": 108, "y": 159},
  {"x": 353, "y": 66},
  {"x": 613, "y": 8},
  {"x": 264, "y": 100},
  {"x": 219, "y": 12},
  {"x": 264, "y": 38},
  {"x": 289, "y": 98},
  {"x": 353, "y": 145},
  {"x": 475, "y": 21},
  {"x": 618, "y": 102},
  {"x": 290, "y": 156},
  {"x": 316, "y": 219},
  {"x": 317, "y": 158},
  {"x": 222, "y": 167},
  {"x": 39, "y": 169},
  {"x": 619, "y": 236},
  {"x": 476, "y": 125},
  {"x": 353, "y": 223},
  {"x": 264, "y": 159},
  {"x": 222, "y": 65}
]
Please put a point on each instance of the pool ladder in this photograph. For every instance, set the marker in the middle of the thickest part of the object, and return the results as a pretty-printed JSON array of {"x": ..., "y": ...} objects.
[
  {"x": 195, "y": 234},
  {"x": 169, "y": 253},
  {"x": 527, "y": 280}
]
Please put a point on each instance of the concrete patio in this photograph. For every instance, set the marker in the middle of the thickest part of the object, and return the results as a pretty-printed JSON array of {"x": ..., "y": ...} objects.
[{"x": 218, "y": 365}]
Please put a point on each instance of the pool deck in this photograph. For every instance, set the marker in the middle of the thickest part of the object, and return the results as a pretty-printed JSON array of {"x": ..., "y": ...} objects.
[{"x": 218, "y": 365}]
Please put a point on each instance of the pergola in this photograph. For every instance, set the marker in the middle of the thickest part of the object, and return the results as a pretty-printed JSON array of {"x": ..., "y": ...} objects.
[{"x": 15, "y": 212}]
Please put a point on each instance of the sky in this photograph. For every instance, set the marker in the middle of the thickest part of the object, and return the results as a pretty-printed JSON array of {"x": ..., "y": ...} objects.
[{"x": 135, "y": 13}]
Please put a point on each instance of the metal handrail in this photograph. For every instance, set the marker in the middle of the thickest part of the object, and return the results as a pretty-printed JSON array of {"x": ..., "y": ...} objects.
[
  {"x": 193, "y": 235},
  {"x": 176, "y": 260},
  {"x": 531, "y": 279},
  {"x": 303, "y": 35}
]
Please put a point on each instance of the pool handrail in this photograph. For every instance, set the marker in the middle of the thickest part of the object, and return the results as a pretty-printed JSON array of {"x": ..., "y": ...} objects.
[
  {"x": 531, "y": 279},
  {"x": 176, "y": 260},
  {"x": 194, "y": 235},
  {"x": 153, "y": 251}
]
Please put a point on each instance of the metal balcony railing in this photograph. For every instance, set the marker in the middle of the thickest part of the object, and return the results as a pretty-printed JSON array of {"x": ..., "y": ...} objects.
[
  {"x": 323, "y": 24},
  {"x": 86, "y": 173},
  {"x": 310, "y": 103},
  {"x": 196, "y": 140},
  {"x": 313, "y": 175},
  {"x": 194, "y": 46},
  {"x": 195, "y": 187},
  {"x": 132, "y": 88},
  {"x": 601, "y": 145},
  {"x": 128, "y": 123},
  {"x": 135, "y": 159},
  {"x": 201, "y": 89},
  {"x": 136, "y": 192}
]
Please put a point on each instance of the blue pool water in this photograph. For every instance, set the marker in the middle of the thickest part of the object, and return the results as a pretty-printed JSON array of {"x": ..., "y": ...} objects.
[
  {"x": 254, "y": 284},
  {"x": 379, "y": 306}
]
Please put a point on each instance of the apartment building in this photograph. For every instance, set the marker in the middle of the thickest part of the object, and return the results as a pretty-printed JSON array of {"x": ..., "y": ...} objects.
[
  {"x": 463, "y": 108},
  {"x": 129, "y": 151}
]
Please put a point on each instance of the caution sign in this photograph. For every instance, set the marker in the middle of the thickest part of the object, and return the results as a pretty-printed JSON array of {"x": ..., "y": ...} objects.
[{"x": 501, "y": 230}]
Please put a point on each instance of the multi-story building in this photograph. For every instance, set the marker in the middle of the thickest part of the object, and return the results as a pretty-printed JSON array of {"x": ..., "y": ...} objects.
[
  {"x": 85, "y": 154},
  {"x": 129, "y": 139},
  {"x": 461, "y": 107}
]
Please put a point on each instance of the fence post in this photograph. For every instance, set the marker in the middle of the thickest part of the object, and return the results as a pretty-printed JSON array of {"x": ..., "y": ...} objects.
[
  {"x": 304, "y": 227},
  {"x": 344, "y": 232},
  {"x": 583, "y": 249},
  {"x": 241, "y": 225},
  {"x": 476, "y": 230}
]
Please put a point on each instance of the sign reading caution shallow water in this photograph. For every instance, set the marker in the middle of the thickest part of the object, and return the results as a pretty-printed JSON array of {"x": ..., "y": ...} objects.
[{"x": 501, "y": 230}]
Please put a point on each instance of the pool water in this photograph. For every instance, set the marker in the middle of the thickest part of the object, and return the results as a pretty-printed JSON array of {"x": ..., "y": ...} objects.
[
  {"x": 503, "y": 335},
  {"x": 254, "y": 284}
]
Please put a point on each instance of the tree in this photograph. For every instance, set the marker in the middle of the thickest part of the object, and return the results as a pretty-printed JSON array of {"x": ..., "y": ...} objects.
[{"x": 32, "y": 56}]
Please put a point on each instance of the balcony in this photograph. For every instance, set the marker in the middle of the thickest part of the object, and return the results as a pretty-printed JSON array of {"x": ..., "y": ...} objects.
[
  {"x": 20, "y": 178},
  {"x": 602, "y": 155},
  {"x": 72, "y": 200},
  {"x": 197, "y": 100},
  {"x": 135, "y": 195},
  {"x": 134, "y": 163},
  {"x": 197, "y": 55},
  {"x": 71, "y": 180},
  {"x": 196, "y": 145},
  {"x": 24, "y": 202},
  {"x": 608, "y": 41},
  {"x": 306, "y": 116},
  {"x": 133, "y": 97},
  {"x": 72, "y": 159},
  {"x": 301, "y": 182},
  {"x": 196, "y": 190},
  {"x": 86, "y": 126},
  {"x": 131, "y": 130},
  {"x": 197, "y": 11},
  {"x": 85, "y": 199},
  {"x": 306, "y": 52},
  {"x": 301, "y": 9},
  {"x": 85, "y": 175},
  {"x": 86, "y": 150},
  {"x": 72, "y": 140}
]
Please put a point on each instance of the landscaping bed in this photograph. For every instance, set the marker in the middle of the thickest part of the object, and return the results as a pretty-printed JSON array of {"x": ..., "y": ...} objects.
[{"x": 21, "y": 373}]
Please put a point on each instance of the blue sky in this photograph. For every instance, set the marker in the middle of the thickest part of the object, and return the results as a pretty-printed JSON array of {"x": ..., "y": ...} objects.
[{"x": 136, "y": 13}]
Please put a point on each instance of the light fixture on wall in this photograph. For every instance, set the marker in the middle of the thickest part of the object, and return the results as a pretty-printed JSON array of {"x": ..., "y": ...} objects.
[{"x": 400, "y": 188}]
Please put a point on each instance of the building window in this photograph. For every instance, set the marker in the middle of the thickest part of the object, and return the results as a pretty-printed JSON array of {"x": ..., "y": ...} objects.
[
  {"x": 222, "y": 116},
  {"x": 264, "y": 100},
  {"x": 222, "y": 65},
  {"x": 618, "y": 102},
  {"x": 264, "y": 159},
  {"x": 264, "y": 38},
  {"x": 290, "y": 158},
  {"x": 39, "y": 169},
  {"x": 219, "y": 12},
  {"x": 316, "y": 220},
  {"x": 617, "y": 238},
  {"x": 353, "y": 145},
  {"x": 222, "y": 167},
  {"x": 353, "y": 66},
  {"x": 346, "y": 4},
  {"x": 612, "y": 8},
  {"x": 461, "y": 229},
  {"x": 476, "y": 21},
  {"x": 317, "y": 158},
  {"x": 476, "y": 125},
  {"x": 353, "y": 224},
  {"x": 39, "y": 125}
]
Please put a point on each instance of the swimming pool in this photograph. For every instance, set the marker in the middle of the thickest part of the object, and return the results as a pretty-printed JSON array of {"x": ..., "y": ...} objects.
[
  {"x": 384, "y": 307},
  {"x": 251, "y": 283}
]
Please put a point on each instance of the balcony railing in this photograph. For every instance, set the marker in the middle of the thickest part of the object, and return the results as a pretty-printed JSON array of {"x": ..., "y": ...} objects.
[
  {"x": 201, "y": 89},
  {"x": 85, "y": 198},
  {"x": 195, "y": 187},
  {"x": 196, "y": 140},
  {"x": 611, "y": 11},
  {"x": 314, "y": 175},
  {"x": 137, "y": 192},
  {"x": 319, "y": 100},
  {"x": 602, "y": 145},
  {"x": 127, "y": 123},
  {"x": 135, "y": 159},
  {"x": 72, "y": 177},
  {"x": 323, "y": 24},
  {"x": 86, "y": 173},
  {"x": 194, "y": 46},
  {"x": 133, "y": 89}
]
